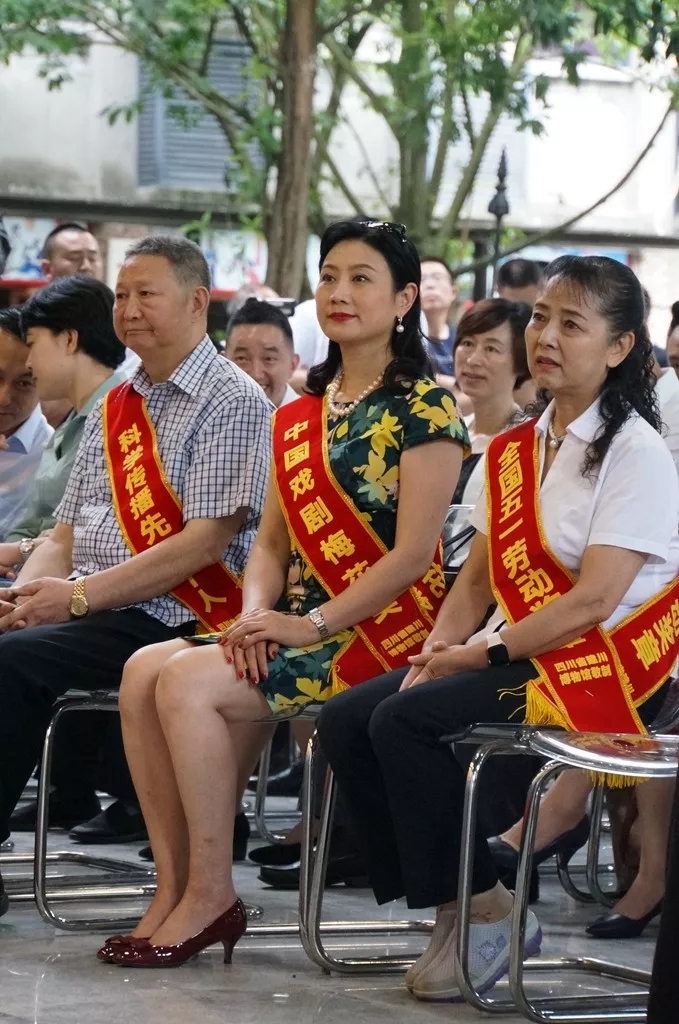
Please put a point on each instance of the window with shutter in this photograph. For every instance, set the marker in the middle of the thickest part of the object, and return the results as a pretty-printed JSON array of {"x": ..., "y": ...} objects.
[{"x": 195, "y": 154}]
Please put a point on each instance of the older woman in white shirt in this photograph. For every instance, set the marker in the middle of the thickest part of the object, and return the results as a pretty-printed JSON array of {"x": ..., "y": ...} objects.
[{"x": 608, "y": 508}]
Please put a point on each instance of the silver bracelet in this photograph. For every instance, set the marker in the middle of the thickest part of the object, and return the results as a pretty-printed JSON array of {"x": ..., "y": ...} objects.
[{"x": 316, "y": 616}]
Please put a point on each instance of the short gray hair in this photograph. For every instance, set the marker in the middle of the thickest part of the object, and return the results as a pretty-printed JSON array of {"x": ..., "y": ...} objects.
[{"x": 185, "y": 257}]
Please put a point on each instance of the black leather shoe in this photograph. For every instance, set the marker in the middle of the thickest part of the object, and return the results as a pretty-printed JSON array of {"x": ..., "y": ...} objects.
[
  {"x": 4, "y": 899},
  {"x": 277, "y": 855},
  {"x": 116, "y": 824},
  {"x": 617, "y": 926},
  {"x": 241, "y": 834},
  {"x": 347, "y": 869},
  {"x": 60, "y": 815},
  {"x": 568, "y": 843}
]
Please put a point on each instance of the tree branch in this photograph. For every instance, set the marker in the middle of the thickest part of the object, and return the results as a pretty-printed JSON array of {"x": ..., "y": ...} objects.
[
  {"x": 346, "y": 64},
  {"x": 558, "y": 229},
  {"x": 244, "y": 28},
  {"x": 522, "y": 54},
  {"x": 343, "y": 187},
  {"x": 445, "y": 138},
  {"x": 468, "y": 120},
  {"x": 204, "y": 65},
  {"x": 370, "y": 169}
]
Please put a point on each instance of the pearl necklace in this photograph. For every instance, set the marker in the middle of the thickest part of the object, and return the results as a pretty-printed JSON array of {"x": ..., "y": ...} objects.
[
  {"x": 347, "y": 407},
  {"x": 554, "y": 441}
]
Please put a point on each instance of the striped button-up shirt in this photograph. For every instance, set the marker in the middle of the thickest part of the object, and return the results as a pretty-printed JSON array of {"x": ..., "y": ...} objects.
[{"x": 213, "y": 426}]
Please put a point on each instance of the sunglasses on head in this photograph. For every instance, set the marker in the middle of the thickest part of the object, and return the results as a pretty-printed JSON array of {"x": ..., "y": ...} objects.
[{"x": 399, "y": 230}]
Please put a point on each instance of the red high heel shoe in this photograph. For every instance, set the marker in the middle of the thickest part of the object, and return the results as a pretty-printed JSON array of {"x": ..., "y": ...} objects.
[
  {"x": 227, "y": 929},
  {"x": 113, "y": 945}
]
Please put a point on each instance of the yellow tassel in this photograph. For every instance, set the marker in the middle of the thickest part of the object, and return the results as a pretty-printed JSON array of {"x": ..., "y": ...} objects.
[
  {"x": 539, "y": 711},
  {"x": 614, "y": 781}
]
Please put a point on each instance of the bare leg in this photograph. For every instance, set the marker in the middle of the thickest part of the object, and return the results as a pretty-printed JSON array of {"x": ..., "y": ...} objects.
[
  {"x": 561, "y": 809},
  {"x": 196, "y": 696},
  {"x": 654, "y": 800},
  {"x": 153, "y": 775}
]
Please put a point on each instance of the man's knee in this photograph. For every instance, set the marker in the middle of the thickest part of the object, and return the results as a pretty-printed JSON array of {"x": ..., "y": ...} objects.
[{"x": 16, "y": 654}]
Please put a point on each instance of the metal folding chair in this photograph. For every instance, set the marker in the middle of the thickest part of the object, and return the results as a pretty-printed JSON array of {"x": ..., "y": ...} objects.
[
  {"x": 137, "y": 880},
  {"x": 313, "y": 871},
  {"x": 632, "y": 756}
]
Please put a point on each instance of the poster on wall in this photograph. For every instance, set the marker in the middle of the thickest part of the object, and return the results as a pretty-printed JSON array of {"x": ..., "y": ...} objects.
[{"x": 26, "y": 236}]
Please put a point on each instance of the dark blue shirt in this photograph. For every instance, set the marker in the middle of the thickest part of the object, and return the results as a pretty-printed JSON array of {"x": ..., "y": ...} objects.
[{"x": 440, "y": 352}]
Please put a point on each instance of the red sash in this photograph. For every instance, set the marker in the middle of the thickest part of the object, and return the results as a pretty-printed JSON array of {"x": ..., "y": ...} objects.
[
  {"x": 339, "y": 545},
  {"x": 148, "y": 509},
  {"x": 597, "y": 682}
]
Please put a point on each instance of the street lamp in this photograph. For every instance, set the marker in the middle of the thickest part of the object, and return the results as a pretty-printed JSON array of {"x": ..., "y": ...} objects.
[{"x": 499, "y": 208}]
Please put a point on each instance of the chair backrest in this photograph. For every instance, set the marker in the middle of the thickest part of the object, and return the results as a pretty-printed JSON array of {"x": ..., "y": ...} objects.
[{"x": 457, "y": 536}]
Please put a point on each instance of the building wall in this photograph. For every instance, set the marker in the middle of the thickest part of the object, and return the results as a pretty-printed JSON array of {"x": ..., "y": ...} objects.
[{"x": 56, "y": 143}]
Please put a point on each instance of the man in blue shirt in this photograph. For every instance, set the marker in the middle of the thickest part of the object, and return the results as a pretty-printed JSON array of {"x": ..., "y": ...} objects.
[
  {"x": 24, "y": 431},
  {"x": 438, "y": 293}
]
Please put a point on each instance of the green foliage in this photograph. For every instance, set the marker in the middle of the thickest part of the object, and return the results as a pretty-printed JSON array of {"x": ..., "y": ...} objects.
[{"x": 446, "y": 72}]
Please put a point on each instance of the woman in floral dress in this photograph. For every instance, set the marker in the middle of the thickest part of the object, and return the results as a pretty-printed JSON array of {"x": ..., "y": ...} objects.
[{"x": 364, "y": 466}]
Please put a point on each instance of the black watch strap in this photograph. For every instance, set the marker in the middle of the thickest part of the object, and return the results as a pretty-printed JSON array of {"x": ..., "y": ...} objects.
[{"x": 497, "y": 650}]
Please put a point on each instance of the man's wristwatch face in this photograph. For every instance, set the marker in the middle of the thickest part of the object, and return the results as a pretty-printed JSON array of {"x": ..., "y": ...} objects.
[
  {"x": 79, "y": 607},
  {"x": 26, "y": 545}
]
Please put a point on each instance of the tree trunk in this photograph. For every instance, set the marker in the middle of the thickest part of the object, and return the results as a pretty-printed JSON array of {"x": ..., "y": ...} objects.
[{"x": 287, "y": 228}]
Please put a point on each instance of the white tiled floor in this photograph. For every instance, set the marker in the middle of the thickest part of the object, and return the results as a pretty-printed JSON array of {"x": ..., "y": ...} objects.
[{"x": 49, "y": 977}]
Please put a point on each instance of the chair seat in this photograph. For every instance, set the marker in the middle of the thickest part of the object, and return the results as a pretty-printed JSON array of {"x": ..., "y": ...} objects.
[{"x": 610, "y": 753}]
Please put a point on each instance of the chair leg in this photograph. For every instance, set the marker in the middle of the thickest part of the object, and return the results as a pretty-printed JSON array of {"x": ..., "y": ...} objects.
[
  {"x": 312, "y": 887},
  {"x": 144, "y": 878},
  {"x": 582, "y": 1009},
  {"x": 594, "y": 849},
  {"x": 260, "y": 799}
]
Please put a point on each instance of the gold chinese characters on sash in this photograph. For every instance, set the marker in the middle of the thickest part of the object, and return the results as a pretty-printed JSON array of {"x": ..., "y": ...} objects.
[
  {"x": 339, "y": 545},
  {"x": 597, "y": 682},
  {"x": 148, "y": 509}
]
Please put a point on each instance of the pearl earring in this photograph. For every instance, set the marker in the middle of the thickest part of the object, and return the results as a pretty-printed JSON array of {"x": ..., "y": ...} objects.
[{"x": 399, "y": 326}]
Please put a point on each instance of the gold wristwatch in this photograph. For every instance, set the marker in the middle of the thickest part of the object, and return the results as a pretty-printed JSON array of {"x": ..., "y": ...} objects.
[
  {"x": 79, "y": 606},
  {"x": 26, "y": 545}
]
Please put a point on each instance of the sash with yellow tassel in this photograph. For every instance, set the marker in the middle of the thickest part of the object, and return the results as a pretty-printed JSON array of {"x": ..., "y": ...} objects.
[
  {"x": 339, "y": 545},
  {"x": 597, "y": 682},
  {"x": 148, "y": 509}
]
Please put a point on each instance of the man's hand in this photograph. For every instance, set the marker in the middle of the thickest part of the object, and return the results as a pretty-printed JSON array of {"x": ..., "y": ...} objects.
[
  {"x": 441, "y": 661},
  {"x": 9, "y": 557},
  {"x": 38, "y": 602}
]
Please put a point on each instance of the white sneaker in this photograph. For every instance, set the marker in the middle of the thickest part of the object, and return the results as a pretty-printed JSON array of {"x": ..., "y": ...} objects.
[
  {"x": 445, "y": 922},
  {"x": 488, "y": 960}
]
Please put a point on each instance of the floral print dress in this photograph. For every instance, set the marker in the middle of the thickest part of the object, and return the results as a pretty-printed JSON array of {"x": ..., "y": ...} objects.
[{"x": 365, "y": 450}]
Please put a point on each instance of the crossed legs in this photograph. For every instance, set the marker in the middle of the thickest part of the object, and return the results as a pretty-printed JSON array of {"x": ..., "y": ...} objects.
[{"x": 193, "y": 733}]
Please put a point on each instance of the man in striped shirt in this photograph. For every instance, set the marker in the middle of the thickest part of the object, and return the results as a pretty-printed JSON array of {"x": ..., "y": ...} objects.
[{"x": 212, "y": 424}]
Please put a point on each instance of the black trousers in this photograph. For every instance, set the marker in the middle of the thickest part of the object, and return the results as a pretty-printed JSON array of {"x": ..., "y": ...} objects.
[
  {"x": 41, "y": 663},
  {"x": 403, "y": 788},
  {"x": 663, "y": 1003}
]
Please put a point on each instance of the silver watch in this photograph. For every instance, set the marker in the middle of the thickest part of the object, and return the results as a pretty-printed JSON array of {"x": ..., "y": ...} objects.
[{"x": 316, "y": 616}]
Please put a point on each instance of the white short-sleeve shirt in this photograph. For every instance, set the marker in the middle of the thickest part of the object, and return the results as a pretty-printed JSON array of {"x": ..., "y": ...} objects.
[{"x": 631, "y": 502}]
